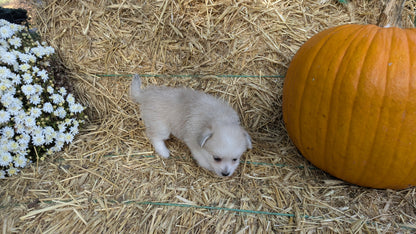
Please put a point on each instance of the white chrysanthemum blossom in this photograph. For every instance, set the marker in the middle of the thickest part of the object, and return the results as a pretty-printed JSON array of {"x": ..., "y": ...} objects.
[
  {"x": 24, "y": 67},
  {"x": 16, "y": 42},
  {"x": 27, "y": 78},
  {"x": 7, "y": 132},
  {"x": 34, "y": 115},
  {"x": 43, "y": 75},
  {"x": 20, "y": 161},
  {"x": 38, "y": 140},
  {"x": 60, "y": 112},
  {"x": 57, "y": 98},
  {"x": 50, "y": 90},
  {"x": 4, "y": 116},
  {"x": 5, "y": 159},
  {"x": 5, "y": 72},
  {"x": 8, "y": 58},
  {"x": 76, "y": 108},
  {"x": 5, "y": 84},
  {"x": 35, "y": 112},
  {"x": 47, "y": 107},
  {"x": 28, "y": 90},
  {"x": 6, "y": 32},
  {"x": 12, "y": 171},
  {"x": 35, "y": 99}
]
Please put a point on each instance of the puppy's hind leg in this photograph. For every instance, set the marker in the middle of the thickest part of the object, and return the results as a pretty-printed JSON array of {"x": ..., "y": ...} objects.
[
  {"x": 160, "y": 147},
  {"x": 158, "y": 140}
]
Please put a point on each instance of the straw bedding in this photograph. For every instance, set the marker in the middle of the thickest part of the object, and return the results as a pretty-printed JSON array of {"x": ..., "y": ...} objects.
[{"x": 109, "y": 180}]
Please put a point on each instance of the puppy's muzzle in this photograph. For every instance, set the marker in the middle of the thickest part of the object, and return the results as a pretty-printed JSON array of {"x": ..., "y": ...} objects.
[{"x": 225, "y": 173}]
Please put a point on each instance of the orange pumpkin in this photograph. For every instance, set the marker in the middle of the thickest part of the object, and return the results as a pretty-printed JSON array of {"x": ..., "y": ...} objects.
[{"x": 349, "y": 104}]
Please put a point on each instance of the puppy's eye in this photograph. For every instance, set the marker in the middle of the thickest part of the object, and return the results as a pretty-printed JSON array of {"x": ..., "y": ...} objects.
[
  {"x": 217, "y": 159},
  {"x": 235, "y": 159}
]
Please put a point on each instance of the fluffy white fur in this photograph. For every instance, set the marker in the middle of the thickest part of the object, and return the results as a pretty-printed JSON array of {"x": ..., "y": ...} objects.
[{"x": 209, "y": 127}]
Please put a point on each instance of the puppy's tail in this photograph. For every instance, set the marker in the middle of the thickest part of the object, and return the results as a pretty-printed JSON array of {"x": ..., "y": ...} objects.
[{"x": 135, "y": 91}]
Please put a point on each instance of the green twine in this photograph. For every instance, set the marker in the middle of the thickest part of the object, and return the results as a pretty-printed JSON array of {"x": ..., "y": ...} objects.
[
  {"x": 242, "y": 161},
  {"x": 214, "y": 208},
  {"x": 191, "y": 75}
]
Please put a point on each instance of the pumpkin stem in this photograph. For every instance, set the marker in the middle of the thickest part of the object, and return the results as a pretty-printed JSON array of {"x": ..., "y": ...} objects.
[{"x": 391, "y": 15}]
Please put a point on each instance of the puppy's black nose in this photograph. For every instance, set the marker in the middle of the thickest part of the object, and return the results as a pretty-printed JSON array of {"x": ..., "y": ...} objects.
[{"x": 225, "y": 173}]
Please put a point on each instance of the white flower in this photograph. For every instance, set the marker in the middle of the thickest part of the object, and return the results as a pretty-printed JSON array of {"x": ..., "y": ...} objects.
[
  {"x": 5, "y": 72},
  {"x": 35, "y": 100},
  {"x": 4, "y": 116},
  {"x": 59, "y": 143},
  {"x": 76, "y": 108},
  {"x": 38, "y": 88},
  {"x": 68, "y": 137},
  {"x": 15, "y": 27},
  {"x": 74, "y": 130},
  {"x": 37, "y": 130},
  {"x": 27, "y": 78},
  {"x": 12, "y": 171},
  {"x": 47, "y": 107},
  {"x": 43, "y": 75},
  {"x": 5, "y": 158},
  {"x": 62, "y": 91},
  {"x": 35, "y": 112},
  {"x": 5, "y": 84},
  {"x": 39, "y": 51},
  {"x": 16, "y": 79},
  {"x": 20, "y": 161},
  {"x": 24, "y": 139},
  {"x": 38, "y": 140},
  {"x": 70, "y": 99},
  {"x": 50, "y": 90},
  {"x": 49, "y": 134},
  {"x": 7, "y": 132},
  {"x": 49, "y": 50},
  {"x": 16, "y": 42},
  {"x": 28, "y": 90},
  {"x": 8, "y": 58},
  {"x": 4, "y": 22},
  {"x": 30, "y": 122},
  {"x": 25, "y": 58},
  {"x": 2, "y": 174},
  {"x": 35, "y": 69},
  {"x": 61, "y": 129},
  {"x": 6, "y": 32},
  {"x": 24, "y": 67},
  {"x": 13, "y": 146},
  {"x": 56, "y": 98},
  {"x": 7, "y": 99},
  {"x": 15, "y": 107},
  {"x": 60, "y": 112}
]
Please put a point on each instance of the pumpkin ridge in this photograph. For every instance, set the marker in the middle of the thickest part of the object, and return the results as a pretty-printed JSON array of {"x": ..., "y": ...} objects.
[
  {"x": 349, "y": 147},
  {"x": 297, "y": 119},
  {"x": 333, "y": 104},
  {"x": 412, "y": 170},
  {"x": 397, "y": 153},
  {"x": 379, "y": 138},
  {"x": 338, "y": 101}
]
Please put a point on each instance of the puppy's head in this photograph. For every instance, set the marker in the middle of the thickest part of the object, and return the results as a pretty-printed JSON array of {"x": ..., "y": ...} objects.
[{"x": 223, "y": 146}]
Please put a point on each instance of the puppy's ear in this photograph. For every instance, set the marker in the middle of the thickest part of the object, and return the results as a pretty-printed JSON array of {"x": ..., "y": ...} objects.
[
  {"x": 204, "y": 136},
  {"x": 248, "y": 140}
]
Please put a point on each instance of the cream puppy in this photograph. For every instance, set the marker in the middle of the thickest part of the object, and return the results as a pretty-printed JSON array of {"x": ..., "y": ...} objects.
[{"x": 209, "y": 127}]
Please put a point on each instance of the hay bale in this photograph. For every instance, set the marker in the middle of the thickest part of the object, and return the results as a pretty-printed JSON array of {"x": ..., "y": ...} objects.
[{"x": 109, "y": 179}]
